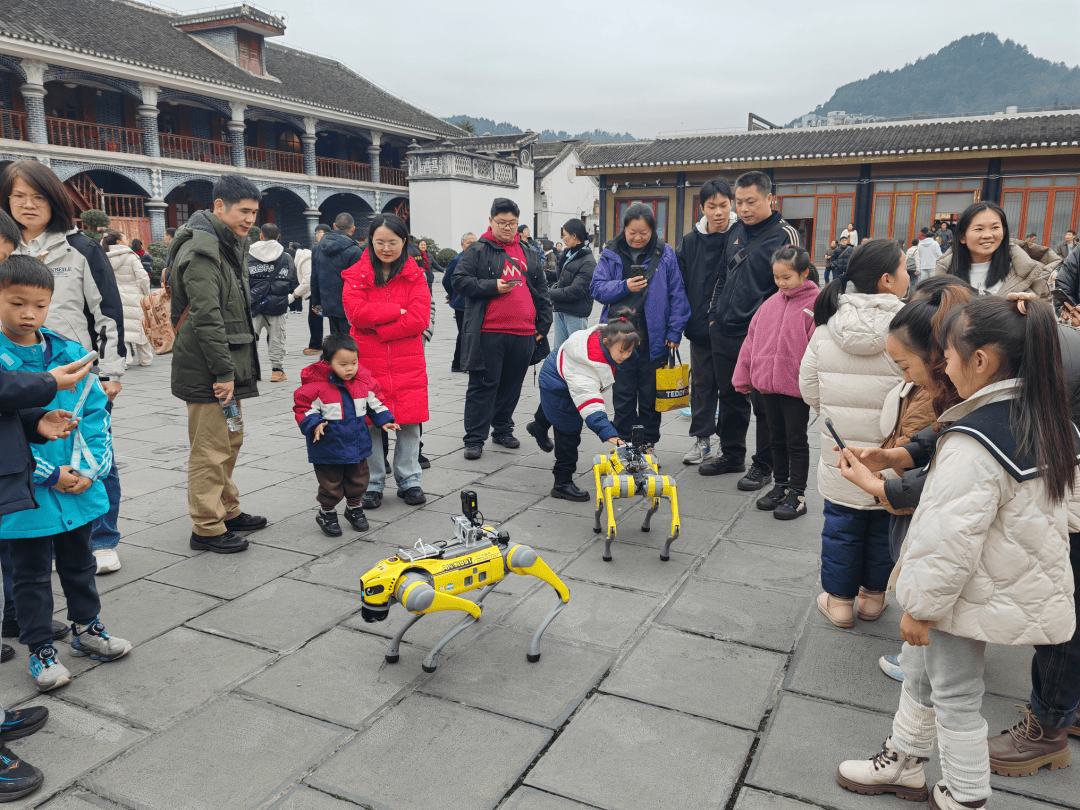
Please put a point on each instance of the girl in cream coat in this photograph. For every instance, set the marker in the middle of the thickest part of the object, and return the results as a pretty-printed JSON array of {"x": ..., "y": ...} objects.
[{"x": 133, "y": 283}]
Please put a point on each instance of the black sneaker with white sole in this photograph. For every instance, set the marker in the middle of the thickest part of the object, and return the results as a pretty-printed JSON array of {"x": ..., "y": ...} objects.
[
  {"x": 328, "y": 522},
  {"x": 721, "y": 465},
  {"x": 357, "y": 519},
  {"x": 770, "y": 500}
]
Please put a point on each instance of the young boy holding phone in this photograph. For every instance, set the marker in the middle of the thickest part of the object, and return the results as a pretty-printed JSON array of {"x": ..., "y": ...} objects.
[{"x": 68, "y": 485}]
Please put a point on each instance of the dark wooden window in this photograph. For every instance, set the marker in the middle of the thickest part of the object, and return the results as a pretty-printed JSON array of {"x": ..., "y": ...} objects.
[{"x": 249, "y": 46}]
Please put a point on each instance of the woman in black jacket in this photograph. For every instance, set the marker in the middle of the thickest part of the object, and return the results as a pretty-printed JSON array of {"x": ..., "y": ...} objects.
[{"x": 570, "y": 294}]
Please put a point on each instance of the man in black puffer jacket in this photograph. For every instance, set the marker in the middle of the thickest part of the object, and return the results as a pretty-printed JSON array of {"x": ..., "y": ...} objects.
[
  {"x": 334, "y": 253},
  {"x": 272, "y": 276}
]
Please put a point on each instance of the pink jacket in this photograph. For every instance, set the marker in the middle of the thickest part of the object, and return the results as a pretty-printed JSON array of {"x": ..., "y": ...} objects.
[{"x": 774, "y": 346}]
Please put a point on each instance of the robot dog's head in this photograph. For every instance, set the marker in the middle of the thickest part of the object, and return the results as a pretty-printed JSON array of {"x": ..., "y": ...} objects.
[{"x": 377, "y": 589}]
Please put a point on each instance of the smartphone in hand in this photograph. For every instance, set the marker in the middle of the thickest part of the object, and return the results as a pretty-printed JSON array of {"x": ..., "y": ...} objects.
[
  {"x": 90, "y": 357},
  {"x": 835, "y": 435}
]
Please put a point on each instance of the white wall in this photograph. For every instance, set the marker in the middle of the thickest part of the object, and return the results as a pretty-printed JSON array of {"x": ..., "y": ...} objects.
[
  {"x": 566, "y": 197},
  {"x": 446, "y": 209}
]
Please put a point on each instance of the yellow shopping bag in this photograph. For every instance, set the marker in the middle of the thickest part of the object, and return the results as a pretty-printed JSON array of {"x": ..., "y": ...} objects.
[{"x": 673, "y": 383}]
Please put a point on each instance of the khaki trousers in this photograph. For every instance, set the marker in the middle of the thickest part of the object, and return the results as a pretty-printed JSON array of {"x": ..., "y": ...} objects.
[{"x": 212, "y": 495}]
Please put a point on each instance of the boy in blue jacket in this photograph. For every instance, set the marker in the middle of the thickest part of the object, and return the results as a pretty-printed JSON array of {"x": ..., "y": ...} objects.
[{"x": 69, "y": 489}]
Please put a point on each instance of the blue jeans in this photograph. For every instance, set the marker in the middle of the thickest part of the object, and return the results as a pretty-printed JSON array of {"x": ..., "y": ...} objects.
[
  {"x": 854, "y": 550},
  {"x": 103, "y": 532},
  {"x": 1055, "y": 669},
  {"x": 563, "y": 326},
  {"x": 406, "y": 459}
]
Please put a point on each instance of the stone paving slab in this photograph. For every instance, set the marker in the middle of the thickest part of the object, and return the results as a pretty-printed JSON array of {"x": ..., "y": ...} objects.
[
  {"x": 680, "y": 671},
  {"x": 393, "y": 764},
  {"x": 750, "y": 799},
  {"x": 633, "y": 567},
  {"x": 624, "y": 755},
  {"x": 300, "y": 533},
  {"x": 260, "y": 747},
  {"x": 529, "y": 798},
  {"x": 229, "y": 575},
  {"x": 548, "y": 530},
  {"x": 769, "y": 567},
  {"x": 172, "y": 536},
  {"x": 280, "y": 615},
  {"x": 545, "y": 692},
  {"x": 79, "y": 800},
  {"x": 187, "y": 666},
  {"x": 136, "y": 562},
  {"x": 842, "y": 667},
  {"x": 343, "y": 568},
  {"x": 306, "y": 798},
  {"x": 142, "y": 610},
  {"x": 496, "y": 504}
]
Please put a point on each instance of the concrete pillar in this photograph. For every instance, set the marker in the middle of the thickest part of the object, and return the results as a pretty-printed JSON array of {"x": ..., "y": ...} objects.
[
  {"x": 308, "y": 141},
  {"x": 155, "y": 209},
  {"x": 148, "y": 115},
  {"x": 312, "y": 216},
  {"x": 373, "y": 154},
  {"x": 236, "y": 134},
  {"x": 33, "y": 93}
]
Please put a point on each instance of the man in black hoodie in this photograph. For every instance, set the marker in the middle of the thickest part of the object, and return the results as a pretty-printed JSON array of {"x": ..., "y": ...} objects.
[
  {"x": 745, "y": 281},
  {"x": 272, "y": 276},
  {"x": 701, "y": 255},
  {"x": 333, "y": 254}
]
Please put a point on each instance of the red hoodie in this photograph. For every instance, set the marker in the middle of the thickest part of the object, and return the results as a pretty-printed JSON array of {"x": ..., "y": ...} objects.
[{"x": 513, "y": 312}]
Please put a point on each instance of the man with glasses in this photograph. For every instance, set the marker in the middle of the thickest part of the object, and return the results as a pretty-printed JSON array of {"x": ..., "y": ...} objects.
[{"x": 504, "y": 329}]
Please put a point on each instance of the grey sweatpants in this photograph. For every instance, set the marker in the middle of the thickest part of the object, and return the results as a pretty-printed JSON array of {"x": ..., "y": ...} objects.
[{"x": 275, "y": 326}]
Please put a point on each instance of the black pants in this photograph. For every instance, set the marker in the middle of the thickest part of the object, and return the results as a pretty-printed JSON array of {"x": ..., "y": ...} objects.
[
  {"x": 1055, "y": 670},
  {"x": 338, "y": 325},
  {"x": 337, "y": 481},
  {"x": 315, "y": 329},
  {"x": 75, "y": 565},
  {"x": 566, "y": 448},
  {"x": 704, "y": 392},
  {"x": 633, "y": 396},
  {"x": 494, "y": 392},
  {"x": 787, "y": 418},
  {"x": 459, "y": 319},
  {"x": 735, "y": 407}
]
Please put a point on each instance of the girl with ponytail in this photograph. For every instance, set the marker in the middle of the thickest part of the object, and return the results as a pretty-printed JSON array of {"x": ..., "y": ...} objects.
[
  {"x": 572, "y": 385},
  {"x": 986, "y": 559}
]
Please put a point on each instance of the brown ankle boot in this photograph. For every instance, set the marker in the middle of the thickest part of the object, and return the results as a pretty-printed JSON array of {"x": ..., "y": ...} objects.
[
  {"x": 871, "y": 604},
  {"x": 838, "y": 611},
  {"x": 1027, "y": 746},
  {"x": 1074, "y": 730}
]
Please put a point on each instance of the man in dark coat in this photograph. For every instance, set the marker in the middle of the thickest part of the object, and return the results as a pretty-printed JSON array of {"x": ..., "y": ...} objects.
[
  {"x": 215, "y": 358},
  {"x": 334, "y": 253},
  {"x": 504, "y": 330}
]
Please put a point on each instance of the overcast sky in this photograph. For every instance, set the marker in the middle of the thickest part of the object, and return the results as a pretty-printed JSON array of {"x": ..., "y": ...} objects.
[{"x": 649, "y": 66}]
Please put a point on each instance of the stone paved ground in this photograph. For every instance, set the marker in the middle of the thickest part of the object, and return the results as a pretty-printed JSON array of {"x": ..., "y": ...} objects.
[{"x": 703, "y": 682}]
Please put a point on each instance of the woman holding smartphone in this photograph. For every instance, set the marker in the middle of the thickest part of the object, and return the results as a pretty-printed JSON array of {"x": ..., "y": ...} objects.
[{"x": 640, "y": 272}]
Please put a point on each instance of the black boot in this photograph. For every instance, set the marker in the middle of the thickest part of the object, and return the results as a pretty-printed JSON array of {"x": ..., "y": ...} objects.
[
  {"x": 570, "y": 492},
  {"x": 542, "y": 439},
  {"x": 328, "y": 522}
]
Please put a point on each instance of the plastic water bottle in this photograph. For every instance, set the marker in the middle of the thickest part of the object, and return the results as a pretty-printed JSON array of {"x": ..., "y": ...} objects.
[{"x": 232, "y": 416}]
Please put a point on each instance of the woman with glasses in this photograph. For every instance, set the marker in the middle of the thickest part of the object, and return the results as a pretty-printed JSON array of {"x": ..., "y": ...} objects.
[{"x": 388, "y": 304}]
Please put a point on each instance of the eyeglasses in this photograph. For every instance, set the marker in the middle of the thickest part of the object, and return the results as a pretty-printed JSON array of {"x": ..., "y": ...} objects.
[
  {"x": 383, "y": 245},
  {"x": 506, "y": 225},
  {"x": 24, "y": 200}
]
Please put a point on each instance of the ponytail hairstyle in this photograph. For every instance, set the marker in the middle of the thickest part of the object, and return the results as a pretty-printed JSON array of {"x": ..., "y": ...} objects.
[
  {"x": 111, "y": 238},
  {"x": 868, "y": 263},
  {"x": 620, "y": 328},
  {"x": 575, "y": 227},
  {"x": 918, "y": 326},
  {"x": 1028, "y": 348},
  {"x": 1000, "y": 261},
  {"x": 797, "y": 259}
]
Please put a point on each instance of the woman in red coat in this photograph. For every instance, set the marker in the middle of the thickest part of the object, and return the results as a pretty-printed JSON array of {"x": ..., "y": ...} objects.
[{"x": 388, "y": 304}]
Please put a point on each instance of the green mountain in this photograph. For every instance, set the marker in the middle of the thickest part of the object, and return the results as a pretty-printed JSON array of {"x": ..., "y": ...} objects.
[
  {"x": 482, "y": 125},
  {"x": 975, "y": 74}
]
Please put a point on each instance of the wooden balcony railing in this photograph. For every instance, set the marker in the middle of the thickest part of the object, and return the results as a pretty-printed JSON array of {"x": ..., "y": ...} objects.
[
  {"x": 392, "y": 177},
  {"x": 13, "y": 125},
  {"x": 179, "y": 147},
  {"x": 342, "y": 169},
  {"x": 274, "y": 161},
  {"x": 84, "y": 135},
  {"x": 125, "y": 206}
]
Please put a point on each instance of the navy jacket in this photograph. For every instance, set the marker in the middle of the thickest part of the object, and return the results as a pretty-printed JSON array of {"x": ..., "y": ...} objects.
[
  {"x": 456, "y": 301},
  {"x": 335, "y": 252},
  {"x": 22, "y": 395}
]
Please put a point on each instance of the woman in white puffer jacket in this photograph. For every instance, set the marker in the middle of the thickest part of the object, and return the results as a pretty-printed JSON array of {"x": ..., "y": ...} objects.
[
  {"x": 846, "y": 376},
  {"x": 133, "y": 283}
]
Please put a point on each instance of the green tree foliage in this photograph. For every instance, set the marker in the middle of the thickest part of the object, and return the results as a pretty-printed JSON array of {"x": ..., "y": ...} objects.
[
  {"x": 159, "y": 252},
  {"x": 467, "y": 125},
  {"x": 92, "y": 220},
  {"x": 254, "y": 232},
  {"x": 445, "y": 256}
]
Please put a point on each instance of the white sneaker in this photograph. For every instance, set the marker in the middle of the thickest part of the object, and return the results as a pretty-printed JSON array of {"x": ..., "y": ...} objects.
[
  {"x": 107, "y": 560},
  {"x": 701, "y": 451},
  {"x": 888, "y": 771}
]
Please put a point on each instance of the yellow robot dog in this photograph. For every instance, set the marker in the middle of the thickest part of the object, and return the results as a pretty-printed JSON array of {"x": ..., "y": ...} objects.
[
  {"x": 428, "y": 578},
  {"x": 627, "y": 471}
]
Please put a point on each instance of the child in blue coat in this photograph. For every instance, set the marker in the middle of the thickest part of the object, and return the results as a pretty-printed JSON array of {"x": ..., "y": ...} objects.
[
  {"x": 330, "y": 407},
  {"x": 69, "y": 488}
]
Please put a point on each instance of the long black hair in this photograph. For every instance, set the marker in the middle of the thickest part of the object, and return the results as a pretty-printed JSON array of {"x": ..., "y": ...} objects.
[
  {"x": 797, "y": 259},
  {"x": 1028, "y": 348},
  {"x": 960, "y": 266},
  {"x": 395, "y": 225},
  {"x": 868, "y": 263}
]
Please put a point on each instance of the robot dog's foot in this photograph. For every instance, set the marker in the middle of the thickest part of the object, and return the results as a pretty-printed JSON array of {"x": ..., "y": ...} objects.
[
  {"x": 391, "y": 659},
  {"x": 532, "y": 659},
  {"x": 426, "y": 668}
]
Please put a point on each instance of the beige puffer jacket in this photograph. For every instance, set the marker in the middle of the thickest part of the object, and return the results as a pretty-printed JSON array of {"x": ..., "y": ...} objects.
[
  {"x": 1025, "y": 273},
  {"x": 134, "y": 283},
  {"x": 846, "y": 375},
  {"x": 986, "y": 557}
]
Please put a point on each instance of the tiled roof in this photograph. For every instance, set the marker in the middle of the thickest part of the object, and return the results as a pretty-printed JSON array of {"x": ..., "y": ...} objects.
[
  {"x": 548, "y": 154},
  {"x": 492, "y": 143},
  {"x": 1028, "y": 131},
  {"x": 132, "y": 33}
]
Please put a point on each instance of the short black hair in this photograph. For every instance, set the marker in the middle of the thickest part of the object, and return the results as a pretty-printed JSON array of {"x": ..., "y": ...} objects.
[
  {"x": 322, "y": 226},
  {"x": 1071, "y": 231},
  {"x": 170, "y": 231},
  {"x": 26, "y": 271},
  {"x": 914, "y": 242},
  {"x": 1032, "y": 236},
  {"x": 232, "y": 188},
  {"x": 504, "y": 205},
  {"x": 344, "y": 221},
  {"x": 759, "y": 180},
  {"x": 9, "y": 230},
  {"x": 715, "y": 187},
  {"x": 270, "y": 231},
  {"x": 335, "y": 343}
]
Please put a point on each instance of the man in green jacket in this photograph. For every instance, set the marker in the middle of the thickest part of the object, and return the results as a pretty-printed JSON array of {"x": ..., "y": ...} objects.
[{"x": 215, "y": 356}]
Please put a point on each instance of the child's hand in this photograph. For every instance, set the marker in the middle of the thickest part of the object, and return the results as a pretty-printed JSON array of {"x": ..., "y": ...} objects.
[
  {"x": 615, "y": 440},
  {"x": 745, "y": 390},
  {"x": 67, "y": 480},
  {"x": 318, "y": 432},
  {"x": 915, "y": 632},
  {"x": 56, "y": 425},
  {"x": 82, "y": 485},
  {"x": 67, "y": 377},
  {"x": 390, "y": 426}
]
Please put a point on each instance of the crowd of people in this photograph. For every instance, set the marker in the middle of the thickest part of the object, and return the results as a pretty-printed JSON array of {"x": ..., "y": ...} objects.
[{"x": 943, "y": 379}]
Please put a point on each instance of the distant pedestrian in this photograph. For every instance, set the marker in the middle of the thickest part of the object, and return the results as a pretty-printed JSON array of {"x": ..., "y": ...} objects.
[
  {"x": 133, "y": 283},
  {"x": 455, "y": 300},
  {"x": 851, "y": 234},
  {"x": 829, "y": 264},
  {"x": 912, "y": 261},
  {"x": 929, "y": 253},
  {"x": 570, "y": 298},
  {"x": 272, "y": 277},
  {"x": 314, "y": 319},
  {"x": 335, "y": 252},
  {"x": 528, "y": 242},
  {"x": 1067, "y": 246}
]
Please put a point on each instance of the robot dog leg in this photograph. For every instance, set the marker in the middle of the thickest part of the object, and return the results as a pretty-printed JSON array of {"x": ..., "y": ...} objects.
[
  {"x": 524, "y": 561},
  {"x": 657, "y": 487}
]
